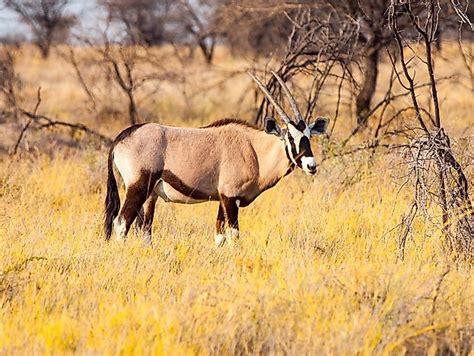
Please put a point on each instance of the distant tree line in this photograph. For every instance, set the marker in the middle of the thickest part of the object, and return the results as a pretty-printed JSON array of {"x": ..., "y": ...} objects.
[{"x": 255, "y": 28}]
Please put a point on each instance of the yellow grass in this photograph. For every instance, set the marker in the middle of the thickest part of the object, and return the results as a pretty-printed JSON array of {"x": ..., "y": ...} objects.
[{"x": 315, "y": 270}]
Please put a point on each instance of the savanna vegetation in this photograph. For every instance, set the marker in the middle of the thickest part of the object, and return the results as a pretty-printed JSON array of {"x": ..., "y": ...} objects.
[{"x": 328, "y": 264}]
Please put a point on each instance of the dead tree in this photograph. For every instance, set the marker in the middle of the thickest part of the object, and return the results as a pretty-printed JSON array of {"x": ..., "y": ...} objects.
[
  {"x": 47, "y": 20},
  {"x": 14, "y": 107},
  {"x": 434, "y": 170}
]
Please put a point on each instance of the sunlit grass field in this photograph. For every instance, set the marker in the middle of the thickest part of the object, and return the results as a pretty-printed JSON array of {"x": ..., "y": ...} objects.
[{"x": 316, "y": 270}]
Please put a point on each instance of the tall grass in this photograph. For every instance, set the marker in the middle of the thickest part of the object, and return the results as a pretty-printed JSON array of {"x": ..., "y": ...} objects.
[{"x": 315, "y": 270}]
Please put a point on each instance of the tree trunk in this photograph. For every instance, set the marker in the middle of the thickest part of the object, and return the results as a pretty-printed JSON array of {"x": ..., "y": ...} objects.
[
  {"x": 44, "y": 41},
  {"x": 44, "y": 49},
  {"x": 363, "y": 99},
  {"x": 207, "y": 50},
  {"x": 132, "y": 108}
]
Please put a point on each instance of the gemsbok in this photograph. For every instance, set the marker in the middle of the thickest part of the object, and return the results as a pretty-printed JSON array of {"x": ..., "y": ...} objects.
[{"x": 229, "y": 161}]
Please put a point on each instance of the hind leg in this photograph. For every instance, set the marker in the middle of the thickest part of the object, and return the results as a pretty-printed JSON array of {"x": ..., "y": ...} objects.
[
  {"x": 135, "y": 196},
  {"x": 145, "y": 217},
  {"x": 140, "y": 220},
  {"x": 134, "y": 199}
]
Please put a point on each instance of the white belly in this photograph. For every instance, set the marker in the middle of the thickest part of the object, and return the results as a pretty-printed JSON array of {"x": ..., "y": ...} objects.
[{"x": 169, "y": 194}]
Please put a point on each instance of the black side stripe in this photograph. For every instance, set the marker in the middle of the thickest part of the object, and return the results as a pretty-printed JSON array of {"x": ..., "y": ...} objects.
[{"x": 177, "y": 184}]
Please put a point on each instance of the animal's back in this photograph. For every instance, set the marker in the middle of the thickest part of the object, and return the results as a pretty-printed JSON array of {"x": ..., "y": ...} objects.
[{"x": 202, "y": 158}]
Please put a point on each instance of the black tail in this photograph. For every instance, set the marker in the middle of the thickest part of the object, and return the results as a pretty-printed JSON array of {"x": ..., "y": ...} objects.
[{"x": 112, "y": 200}]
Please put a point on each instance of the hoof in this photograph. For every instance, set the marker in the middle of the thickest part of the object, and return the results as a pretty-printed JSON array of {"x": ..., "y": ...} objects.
[
  {"x": 232, "y": 235},
  {"x": 147, "y": 239},
  {"x": 219, "y": 239},
  {"x": 120, "y": 230}
]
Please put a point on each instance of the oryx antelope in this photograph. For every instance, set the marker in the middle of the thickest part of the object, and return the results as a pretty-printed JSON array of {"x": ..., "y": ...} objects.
[{"x": 229, "y": 161}]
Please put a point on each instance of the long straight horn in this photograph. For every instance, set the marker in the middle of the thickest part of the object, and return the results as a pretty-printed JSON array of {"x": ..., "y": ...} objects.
[
  {"x": 292, "y": 100},
  {"x": 278, "y": 108}
]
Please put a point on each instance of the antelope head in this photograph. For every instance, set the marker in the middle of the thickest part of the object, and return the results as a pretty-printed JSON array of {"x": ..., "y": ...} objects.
[{"x": 296, "y": 133}]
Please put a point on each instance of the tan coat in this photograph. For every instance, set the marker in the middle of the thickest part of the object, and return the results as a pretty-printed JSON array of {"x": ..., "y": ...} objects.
[{"x": 232, "y": 159}]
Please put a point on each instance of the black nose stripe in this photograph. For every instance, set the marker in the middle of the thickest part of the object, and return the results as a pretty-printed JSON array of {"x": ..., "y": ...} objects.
[
  {"x": 305, "y": 146},
  {"x": 304, "y": 149}
]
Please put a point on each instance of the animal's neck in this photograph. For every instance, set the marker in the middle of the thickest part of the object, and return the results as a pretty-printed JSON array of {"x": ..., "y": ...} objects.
[{"x": 273, "y": 160}]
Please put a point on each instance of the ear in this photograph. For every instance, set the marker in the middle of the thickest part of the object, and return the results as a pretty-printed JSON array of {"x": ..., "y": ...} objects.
[
  {"x": 271, "y": 127},
  {"x": 320, "y": 126}
]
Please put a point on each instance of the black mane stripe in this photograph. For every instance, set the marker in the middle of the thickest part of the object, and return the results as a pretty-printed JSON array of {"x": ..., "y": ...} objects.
[
  {"x": 131, "y": 129},
  {"x": 126, "y": 133},
  {"x": 224, "y": 122}
]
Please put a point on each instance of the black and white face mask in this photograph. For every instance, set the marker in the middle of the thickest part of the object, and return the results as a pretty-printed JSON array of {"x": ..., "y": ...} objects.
[{"x": 297, "y": 140}]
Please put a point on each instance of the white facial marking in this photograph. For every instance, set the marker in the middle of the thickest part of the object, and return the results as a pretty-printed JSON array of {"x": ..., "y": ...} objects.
[
  {"x": 219, "y": 239},
  {"x": 307, "y": 162},
  {"x": 290, "y": 151},
  {"x": 296, "y": 134},
  {"x": 120, "y": 229},
  {"x": 307, "y": 132}
]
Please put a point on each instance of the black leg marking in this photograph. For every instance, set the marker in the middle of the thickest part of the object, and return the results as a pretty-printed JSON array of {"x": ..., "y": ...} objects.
[
  {"x": 220, "y": 222},
  {"x": 231, "y": 211},
  {"x": 135, "y": 197},
  {"x": 149, "y": 213}
]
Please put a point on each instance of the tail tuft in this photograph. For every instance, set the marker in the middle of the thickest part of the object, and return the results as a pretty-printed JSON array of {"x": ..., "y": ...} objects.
[{"x": 112, "y": 199}]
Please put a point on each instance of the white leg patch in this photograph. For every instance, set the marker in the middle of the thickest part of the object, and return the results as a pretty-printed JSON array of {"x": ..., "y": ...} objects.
[
  {"x": 147, "y": 238},
  {"x": 232, "y": 235},
  {"x": 219, "y": 239},
  {"x": 120, "y": 229}
]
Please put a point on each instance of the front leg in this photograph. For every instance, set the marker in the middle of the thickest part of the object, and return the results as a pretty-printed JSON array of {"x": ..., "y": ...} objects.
[
  {"x": 231, "y": 212},
  {"x": 219, "y": 238}
]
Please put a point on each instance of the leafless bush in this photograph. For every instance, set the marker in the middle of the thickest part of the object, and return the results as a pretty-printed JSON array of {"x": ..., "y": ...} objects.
[
  {"x": 437, "y": 177},
  {"x": 47, "y": 20},
  {"x": 11, "y": 90}
]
